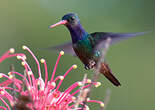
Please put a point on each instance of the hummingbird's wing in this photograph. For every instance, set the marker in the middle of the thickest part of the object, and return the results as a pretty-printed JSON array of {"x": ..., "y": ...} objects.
[
  {"x": 98, "y": 39},
  {"x": 66, "y": 47}
]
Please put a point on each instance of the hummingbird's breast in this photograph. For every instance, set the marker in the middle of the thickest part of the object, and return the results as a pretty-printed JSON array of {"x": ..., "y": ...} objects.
[
  {"x": 82, "y": 45},
  {"x": 84, "y": 51}
]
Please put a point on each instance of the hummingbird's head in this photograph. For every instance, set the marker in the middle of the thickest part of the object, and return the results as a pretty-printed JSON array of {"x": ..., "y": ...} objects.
[{"x": 70, "y": 19}]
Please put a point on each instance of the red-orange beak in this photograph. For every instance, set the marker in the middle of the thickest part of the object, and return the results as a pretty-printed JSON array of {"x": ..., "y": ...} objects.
[{"x": 59, "y": 23}]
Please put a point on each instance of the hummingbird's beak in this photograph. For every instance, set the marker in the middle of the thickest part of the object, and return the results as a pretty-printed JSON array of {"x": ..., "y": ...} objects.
[{"x": 59, "y": 23}]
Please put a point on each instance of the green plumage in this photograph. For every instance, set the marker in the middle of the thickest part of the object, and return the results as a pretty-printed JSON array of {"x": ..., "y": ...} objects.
[{"x": 84, "y": 49}]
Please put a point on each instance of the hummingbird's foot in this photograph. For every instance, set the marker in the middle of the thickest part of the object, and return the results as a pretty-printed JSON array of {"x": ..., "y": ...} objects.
[
  {"x": 90, "y": 65},
  {"x": 87, "y": 67}
]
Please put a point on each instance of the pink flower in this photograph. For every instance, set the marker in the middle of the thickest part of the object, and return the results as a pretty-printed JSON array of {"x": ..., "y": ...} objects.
[{"x": 39, "y": 94}]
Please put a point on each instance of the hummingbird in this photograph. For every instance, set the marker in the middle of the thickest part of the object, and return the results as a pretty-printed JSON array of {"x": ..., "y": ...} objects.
[{"x": 87, "y": 46}]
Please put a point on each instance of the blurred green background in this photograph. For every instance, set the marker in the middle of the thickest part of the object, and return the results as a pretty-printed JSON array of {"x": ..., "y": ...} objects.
[{"x": 25, "y": 22}]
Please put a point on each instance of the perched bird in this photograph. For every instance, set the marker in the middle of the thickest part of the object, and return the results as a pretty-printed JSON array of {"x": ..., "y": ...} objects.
[{"x": 87, "y": 47}]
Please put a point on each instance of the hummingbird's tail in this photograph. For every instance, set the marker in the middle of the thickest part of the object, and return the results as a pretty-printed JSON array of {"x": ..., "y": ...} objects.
[{"x": 106, "y": 71}]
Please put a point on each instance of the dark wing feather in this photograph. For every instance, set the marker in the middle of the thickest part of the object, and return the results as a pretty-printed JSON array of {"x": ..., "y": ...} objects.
[
  {"x": 66, "y": 47},
  {"x": 99, "y": 38}
]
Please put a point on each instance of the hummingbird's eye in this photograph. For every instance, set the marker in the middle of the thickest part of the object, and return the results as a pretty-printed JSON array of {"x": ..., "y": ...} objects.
[{"x": 72, "y": 18}]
